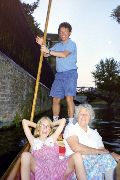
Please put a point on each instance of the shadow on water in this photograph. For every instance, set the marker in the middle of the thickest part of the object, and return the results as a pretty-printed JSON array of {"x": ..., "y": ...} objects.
[
  {"x": 10, "y": 145},
  {"x": 107, "y": 123}
]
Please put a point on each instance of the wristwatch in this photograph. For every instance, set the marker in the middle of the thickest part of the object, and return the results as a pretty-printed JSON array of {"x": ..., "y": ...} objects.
[{"x": 49, "y": 52}]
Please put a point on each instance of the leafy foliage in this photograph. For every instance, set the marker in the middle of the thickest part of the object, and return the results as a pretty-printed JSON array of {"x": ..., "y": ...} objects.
[
  {"x": 29, "y": 9},
  {"x": 107, "y": 78},
  {"x": 116, "y": 14},
  {"x": 16, "y": 120}
]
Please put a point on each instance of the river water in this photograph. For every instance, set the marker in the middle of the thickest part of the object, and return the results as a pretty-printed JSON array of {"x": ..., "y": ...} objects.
[{"x": 107, "y": 122}]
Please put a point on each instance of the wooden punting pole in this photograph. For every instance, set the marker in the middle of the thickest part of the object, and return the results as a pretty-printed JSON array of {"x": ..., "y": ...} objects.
[{"x": 40, "y": 64}]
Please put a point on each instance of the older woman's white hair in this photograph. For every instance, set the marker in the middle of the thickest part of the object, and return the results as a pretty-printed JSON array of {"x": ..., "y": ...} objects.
[{"x": 88, "y": 108}]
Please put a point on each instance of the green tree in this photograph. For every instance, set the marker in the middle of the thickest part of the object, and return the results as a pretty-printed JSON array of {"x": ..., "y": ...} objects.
[
  {"x": 116, "y": 14},
  {"x": 28, "y": 10},
  {"x": 107, "y": 78}
]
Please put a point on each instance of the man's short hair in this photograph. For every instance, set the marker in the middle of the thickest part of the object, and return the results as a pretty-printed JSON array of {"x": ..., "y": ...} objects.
[{"x": 65, "y": 25}]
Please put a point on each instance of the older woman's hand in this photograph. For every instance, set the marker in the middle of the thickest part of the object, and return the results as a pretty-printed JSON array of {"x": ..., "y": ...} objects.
[
  {"x": 115, "y": 156},
  {"x": 103, "y": 151}
]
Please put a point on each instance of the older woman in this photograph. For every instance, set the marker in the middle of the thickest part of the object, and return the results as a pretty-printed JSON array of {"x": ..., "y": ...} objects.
[{"x": 81, "y": 138}]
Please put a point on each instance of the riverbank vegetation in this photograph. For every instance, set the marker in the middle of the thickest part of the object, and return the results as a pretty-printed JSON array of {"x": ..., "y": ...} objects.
[{"x": 107, "y": 80}]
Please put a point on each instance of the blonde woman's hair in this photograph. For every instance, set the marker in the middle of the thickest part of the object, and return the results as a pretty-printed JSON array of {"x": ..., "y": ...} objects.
[
  {"x": 38, "y": 126},
  {"x": 88, "y": 108}
]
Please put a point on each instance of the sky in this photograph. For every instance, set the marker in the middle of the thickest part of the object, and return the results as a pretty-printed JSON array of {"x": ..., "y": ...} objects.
[{"x": 96, "y": 34}]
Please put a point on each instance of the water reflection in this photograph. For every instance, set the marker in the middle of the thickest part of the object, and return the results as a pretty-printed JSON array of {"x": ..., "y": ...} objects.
[
  {"x": 10, "y": 145},
  {"x": 107, "y": 123}
]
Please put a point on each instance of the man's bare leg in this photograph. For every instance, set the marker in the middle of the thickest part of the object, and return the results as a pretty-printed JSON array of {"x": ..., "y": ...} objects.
[
  {"x": 71, "y": 107},
  {"x": 56, "y": 108}
]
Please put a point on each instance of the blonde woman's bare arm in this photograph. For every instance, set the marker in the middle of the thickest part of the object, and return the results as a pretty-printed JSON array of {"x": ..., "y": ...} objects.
[
  {"x": 26, "y": 126},
  {"x": 61, "y": 124}
]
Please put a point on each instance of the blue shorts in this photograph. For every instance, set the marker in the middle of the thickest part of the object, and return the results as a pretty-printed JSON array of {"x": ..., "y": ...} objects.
[{"x": 65, "y": 84}]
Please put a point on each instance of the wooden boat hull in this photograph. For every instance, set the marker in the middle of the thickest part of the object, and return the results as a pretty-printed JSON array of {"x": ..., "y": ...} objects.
[{"x": 13, "y": 171}]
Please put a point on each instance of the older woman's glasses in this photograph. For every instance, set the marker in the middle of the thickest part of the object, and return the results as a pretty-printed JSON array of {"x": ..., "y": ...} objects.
[{"x": 83, "y": 114}]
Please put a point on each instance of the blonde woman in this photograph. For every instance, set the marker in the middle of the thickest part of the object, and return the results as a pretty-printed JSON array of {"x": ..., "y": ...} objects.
[{"x": 43, "y": 161}]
